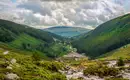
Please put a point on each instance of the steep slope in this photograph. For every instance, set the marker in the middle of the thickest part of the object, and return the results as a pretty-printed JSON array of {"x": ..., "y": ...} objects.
[
  {"x": 106, "y": 37},
  {"x": 123, "y": 52},
  {"x": 16, "y": 29},
  {"x": 30, "y": 39},
  {"x": 66, "y": 31}
]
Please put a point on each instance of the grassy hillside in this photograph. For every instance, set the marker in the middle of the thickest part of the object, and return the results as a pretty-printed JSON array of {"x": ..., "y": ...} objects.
[
  {"x": 27, "y": 67},
  {"x": 67, "y": 31},
  {"x": 106, "y": 37},
  {"x": 123, "y": 52},
  {"x": 26, "y": 38}
]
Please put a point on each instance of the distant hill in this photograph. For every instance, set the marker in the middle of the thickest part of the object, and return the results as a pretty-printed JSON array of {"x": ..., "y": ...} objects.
[
  {"x": 66, "y": 31},
  {"x": 105, "y": 38},
  {"x": 26, "y": 38}
]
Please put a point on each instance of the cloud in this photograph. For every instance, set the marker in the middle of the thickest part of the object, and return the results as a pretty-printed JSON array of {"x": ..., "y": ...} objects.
[{"x": 88, "y": 14}]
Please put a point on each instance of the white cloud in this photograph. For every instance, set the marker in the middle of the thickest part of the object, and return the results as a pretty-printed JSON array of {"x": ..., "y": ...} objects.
[
  {"x": 47, "y": 20},
  {"x": 70, "y": 13}
]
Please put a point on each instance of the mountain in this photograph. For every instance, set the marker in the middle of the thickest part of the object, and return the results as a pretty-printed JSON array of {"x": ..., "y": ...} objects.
[
  {"x": 66, "y": 31},
  {"x": 26, "y": 38},
  {"x": 105, "y": 38}
]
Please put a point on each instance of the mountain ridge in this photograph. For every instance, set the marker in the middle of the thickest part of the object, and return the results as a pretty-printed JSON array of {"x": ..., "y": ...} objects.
[{"x": 106, "y": 37}]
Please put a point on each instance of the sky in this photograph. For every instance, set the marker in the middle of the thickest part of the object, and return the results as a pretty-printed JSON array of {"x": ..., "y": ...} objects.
[{"x": 75, "y": 13}]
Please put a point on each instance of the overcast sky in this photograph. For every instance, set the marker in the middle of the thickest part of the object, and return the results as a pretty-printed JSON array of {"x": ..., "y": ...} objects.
[{"x": 48, "y": 13}]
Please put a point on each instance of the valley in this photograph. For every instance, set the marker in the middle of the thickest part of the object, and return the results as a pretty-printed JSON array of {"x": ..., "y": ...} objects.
[
  {"x": 64, "y": 39},
  {"x": 100, "y": 54}
]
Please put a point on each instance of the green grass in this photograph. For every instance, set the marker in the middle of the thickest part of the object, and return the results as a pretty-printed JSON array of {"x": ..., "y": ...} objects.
[
  {"x": 123, "y": 52},
  {"x": 24, "y": 38},
  {"x": 27, "y": 68},
  {"x": 19, "y": 51}
]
